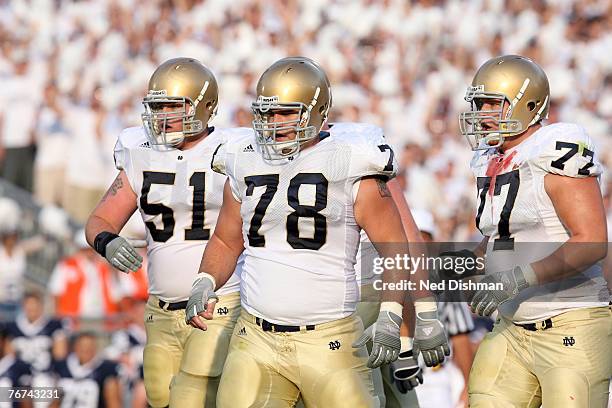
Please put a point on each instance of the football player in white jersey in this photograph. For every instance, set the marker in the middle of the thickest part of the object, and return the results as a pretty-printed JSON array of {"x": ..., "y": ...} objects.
[
  {"x": 296, "y": 199},
  {"x": 164, "y": 172},
  {"x": 540, "y": 209}
]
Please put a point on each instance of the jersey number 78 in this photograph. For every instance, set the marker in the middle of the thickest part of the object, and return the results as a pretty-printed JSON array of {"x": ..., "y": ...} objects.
[{"x": 270, "y": 181}]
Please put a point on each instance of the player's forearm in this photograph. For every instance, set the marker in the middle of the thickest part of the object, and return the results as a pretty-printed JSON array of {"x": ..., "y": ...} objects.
[
  {"x": 463, "y": 354},
  {"x": 574, "y": 256},
  {"x": 408, "y": 320},
  {"x": 95, "y": 225},
  {"x": 220, "y": 259},
  {"x": 410, "y": 228}
]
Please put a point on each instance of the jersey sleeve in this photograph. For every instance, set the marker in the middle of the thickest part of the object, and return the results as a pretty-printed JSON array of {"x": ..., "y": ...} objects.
[
  {"x": 372, "y": 155},
  {"x": 568, "y": 151},
  {"x": 219, "y": 156},
  {"x": 120, "y": 154},
  {"x": 222, "y": 163}
]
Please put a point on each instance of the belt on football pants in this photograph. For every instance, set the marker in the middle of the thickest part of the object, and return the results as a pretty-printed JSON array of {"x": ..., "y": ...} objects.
[
  {"x": 173, "y": 306},
  {"x": 543, "y": 325},
  {"x": 280, "y": 328}
]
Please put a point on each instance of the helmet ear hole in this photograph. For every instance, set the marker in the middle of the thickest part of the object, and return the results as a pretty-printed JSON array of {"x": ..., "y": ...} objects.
[{"x": 531, "y": 105}]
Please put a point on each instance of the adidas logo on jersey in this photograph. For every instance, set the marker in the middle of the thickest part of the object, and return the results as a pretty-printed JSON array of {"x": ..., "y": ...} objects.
[
  {"x": 249, "y": 149},
  {"x": 242, "y": 332},
  {"x": 145, "y": 144}
]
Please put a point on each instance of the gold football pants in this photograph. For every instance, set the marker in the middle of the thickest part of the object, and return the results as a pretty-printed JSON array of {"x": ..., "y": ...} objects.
[
  {"x": 190, "y": 359},
  {"x": 568, "y": 365},
  {"x": 271, "y": 369}
]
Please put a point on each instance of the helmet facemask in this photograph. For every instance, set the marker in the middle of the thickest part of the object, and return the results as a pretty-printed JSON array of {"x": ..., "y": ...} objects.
[
  {"x": 156, "y": 120},
  {"x": 268, "y": 131},
  {"x": 472, "y": 122}
]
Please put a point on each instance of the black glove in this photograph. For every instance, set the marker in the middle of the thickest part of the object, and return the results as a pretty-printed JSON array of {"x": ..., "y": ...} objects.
[{"x": 405, "y": 372}]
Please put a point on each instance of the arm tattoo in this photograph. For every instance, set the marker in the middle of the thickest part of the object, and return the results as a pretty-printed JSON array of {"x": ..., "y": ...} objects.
[
  {"x": 114, "y": 188},
  {"x": 383, "y": 190}
]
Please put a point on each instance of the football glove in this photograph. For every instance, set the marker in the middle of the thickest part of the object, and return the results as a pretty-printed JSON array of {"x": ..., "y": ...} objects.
[
  {"x": 202, "y": 294},
  {"x": 385, "y": 336},
  {"x": 485, "y": 302},
  {"x": 118, "y": 251},
  {"x": 405, "y": 371},
  {"x": 429, "y": 337}
]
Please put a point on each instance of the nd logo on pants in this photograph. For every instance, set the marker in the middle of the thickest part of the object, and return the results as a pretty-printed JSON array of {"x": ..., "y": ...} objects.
[
  {"x": 271, "y": 369},
  {"x": 194, "y": 358},
  {"x": 568, "y": 365}
]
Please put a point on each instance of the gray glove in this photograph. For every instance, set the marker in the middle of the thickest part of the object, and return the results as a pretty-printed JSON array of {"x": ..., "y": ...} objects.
[
  {"x": 405, "y": 372},
  {"x": 202, "y": 293},
  {"x": 430, "y": 338},
  {"x": 385, "y": 336},
  {"x": 484, "y": 302},
  {"x": 122, "y": 255}
]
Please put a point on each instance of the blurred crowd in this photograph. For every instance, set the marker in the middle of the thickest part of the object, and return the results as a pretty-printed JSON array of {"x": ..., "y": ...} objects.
[{"x": 73, "y": 74}]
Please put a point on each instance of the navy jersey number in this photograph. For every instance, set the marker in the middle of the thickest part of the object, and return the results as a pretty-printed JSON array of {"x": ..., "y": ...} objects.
[
  {"x": 270, "y": 181},
  {"x": 512, "y": 179},
  {"x": 197, "y": 231}
]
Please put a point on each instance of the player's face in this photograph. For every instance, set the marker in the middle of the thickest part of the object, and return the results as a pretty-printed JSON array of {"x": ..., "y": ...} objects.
[
  {"x": 32, "y": 308},
  {"x": 85, "y": 349},
  {"x": 280, "y": 116},
  {"x": 171, "y": 119},
  {"x": 489, "y": 105}
]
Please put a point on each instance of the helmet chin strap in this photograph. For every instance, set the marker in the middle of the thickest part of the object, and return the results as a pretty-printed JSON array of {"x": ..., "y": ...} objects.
[{"x": 174, "y": 138}]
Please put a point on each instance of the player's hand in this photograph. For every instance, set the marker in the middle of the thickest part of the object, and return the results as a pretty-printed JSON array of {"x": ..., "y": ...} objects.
[
  {"x": 201, "y": 302},
  {"x": 405, "y": 371},
  {"x": 385, "y": 336},
  {"x": 430, "y": 338},
  {"x": 122, "y": 255},
  {"x": 485, "y": 302}
]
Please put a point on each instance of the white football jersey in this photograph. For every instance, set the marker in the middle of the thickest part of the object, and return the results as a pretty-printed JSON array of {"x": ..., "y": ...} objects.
[
  {"x": 519, "y": 218},
  {"x": 298, "y": 226},
  {"x": 179, "y": 198}
]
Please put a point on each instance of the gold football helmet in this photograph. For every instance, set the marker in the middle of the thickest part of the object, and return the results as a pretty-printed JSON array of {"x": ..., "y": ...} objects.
[
  {"x": 297, "y": 90},
  {"x": 512, "y": 78},
  {"x": 180, "y": 90}
]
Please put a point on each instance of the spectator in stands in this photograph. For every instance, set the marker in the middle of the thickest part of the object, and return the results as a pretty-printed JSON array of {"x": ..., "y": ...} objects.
[
  {"x": 89, "y": 162},
  {"x": 126, "y": 347},
  {"x": 37, "y": 339},
  {"x": 13, "y": 371},
  {"x": 86, "y": 379},
  {"x": 53, "y": 142},
  {"x": 83, "y": 285},
  {"x": 18, "y": 101},
  {"x": 12, "y": 259}
]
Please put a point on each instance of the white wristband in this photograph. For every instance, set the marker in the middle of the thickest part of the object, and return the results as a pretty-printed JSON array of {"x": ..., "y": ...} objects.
[
  {"x": 393, "y": 307},
  {"x": 529, "y": 274},
  {"x": 407, "y": 343},
  {"x": 205, "y": 275},
  {"x": 426, "y": 304}
]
